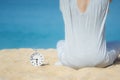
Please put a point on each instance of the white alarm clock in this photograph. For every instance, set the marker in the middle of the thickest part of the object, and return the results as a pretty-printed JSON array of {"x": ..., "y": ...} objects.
[{"x": 37, "y": 59}]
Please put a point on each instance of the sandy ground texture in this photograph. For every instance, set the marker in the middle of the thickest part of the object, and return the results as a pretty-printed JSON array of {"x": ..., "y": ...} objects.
[{"x": 15, "y": 65}]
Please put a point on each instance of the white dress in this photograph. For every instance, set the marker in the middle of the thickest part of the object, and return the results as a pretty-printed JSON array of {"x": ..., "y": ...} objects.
[{"x": 85, "y": 42}]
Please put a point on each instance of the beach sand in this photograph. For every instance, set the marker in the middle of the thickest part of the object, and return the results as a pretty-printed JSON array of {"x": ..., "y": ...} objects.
[{"x": 15, "y": 65}]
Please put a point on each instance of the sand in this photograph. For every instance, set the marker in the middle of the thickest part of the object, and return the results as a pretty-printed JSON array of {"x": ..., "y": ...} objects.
[{"x": 15, "y": 65}]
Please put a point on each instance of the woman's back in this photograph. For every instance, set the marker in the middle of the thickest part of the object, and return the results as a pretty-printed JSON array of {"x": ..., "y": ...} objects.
[{"x": 85, "y": 43}]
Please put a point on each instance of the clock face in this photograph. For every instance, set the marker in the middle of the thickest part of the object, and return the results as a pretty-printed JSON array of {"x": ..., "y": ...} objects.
[{"x": 37, "y": 59}]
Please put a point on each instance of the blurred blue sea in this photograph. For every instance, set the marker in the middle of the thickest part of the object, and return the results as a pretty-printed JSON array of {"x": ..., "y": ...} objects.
[{"x": 39, "y": 23}]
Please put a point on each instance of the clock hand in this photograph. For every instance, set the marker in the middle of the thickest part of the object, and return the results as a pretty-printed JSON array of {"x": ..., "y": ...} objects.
[{"x": 37, "y": 61}]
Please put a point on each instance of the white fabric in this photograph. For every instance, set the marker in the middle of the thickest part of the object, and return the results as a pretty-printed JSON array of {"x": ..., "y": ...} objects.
[{"x": 85, "y": 43}]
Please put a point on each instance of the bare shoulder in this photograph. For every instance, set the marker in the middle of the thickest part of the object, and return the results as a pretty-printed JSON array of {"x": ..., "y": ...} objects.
[{"x": 110, "y": 0}]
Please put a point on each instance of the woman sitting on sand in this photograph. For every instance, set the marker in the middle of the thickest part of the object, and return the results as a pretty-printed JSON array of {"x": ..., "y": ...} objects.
[{"x": 85, "y": 43}]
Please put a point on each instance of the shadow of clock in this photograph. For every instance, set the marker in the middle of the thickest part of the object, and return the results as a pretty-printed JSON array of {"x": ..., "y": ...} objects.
[{"x": 45, "y": 64}]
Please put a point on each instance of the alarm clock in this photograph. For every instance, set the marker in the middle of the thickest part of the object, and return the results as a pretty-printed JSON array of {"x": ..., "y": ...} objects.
[{"x": 37, "y": 59}]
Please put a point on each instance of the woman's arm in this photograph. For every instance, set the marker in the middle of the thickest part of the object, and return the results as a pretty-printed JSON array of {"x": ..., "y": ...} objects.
[{"x": 110, "y": 2}]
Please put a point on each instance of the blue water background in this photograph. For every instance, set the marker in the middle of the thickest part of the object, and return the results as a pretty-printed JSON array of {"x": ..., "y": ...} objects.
[{"x": 39, "y": 23}]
